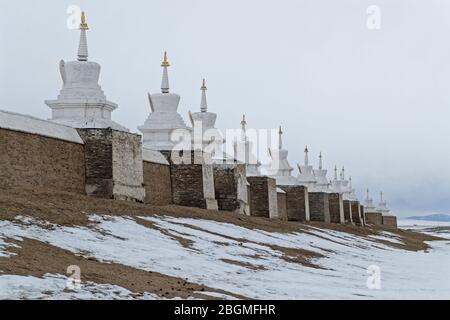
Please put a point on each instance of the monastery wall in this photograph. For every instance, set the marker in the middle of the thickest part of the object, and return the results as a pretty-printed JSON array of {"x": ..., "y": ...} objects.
[
  {"x": 389, "y": 221},
  {"x": 98, "y": 158},
  {"x": 348, "y": 217},
  {"x": 128, "y": 172},
  {"x": 374, "y": 218},
  {"x": 356, "y": 213},
  {"x": 114, "y": 166},
  {"x": 158, "y": 185},
  {"x": 297, "y": 204},
  {"x": 273, "y": 199},
  {"x": 336, "y": 208},
  {"x": 363, "y": 216},
  {"x": 319, "y": 207},
  {"x": 282, "y": 206},
  {"x": 38, "y": 154},
  {"x": 192, "y": 181},
  {"x": 33, "y": 161},
  {"x": 263, "y": 197},
  {"x": 230, "y": 187}
]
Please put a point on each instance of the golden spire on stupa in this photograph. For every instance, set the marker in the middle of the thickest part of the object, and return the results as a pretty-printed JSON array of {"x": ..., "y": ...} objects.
[
  {"x": 165, "y": 62},
  {"x": 243, "y": 122},
  {"x": 83, "y": 23},
  {"x": 204, "y": 87}
]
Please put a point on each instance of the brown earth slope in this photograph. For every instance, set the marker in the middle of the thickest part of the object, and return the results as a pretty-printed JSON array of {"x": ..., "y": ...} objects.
[{"x": 68, "y": 209}]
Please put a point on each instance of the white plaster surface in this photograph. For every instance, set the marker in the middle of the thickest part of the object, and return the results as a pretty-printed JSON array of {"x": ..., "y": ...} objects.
[
  {"x": 154, "y": 156},
  {"x": 28, "y": 124},
  {"x": 128, "y": 171}
]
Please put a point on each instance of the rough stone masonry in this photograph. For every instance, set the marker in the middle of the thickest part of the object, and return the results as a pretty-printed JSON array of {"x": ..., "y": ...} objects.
[
  {"x": 114, "y": 165},
  {"x": 263, "y": 197}
]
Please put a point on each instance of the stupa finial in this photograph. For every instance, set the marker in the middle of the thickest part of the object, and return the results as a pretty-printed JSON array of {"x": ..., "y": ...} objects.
[
  {"x": 343, "y": 173},
  {"x": 320, "y": 161},
  {"x": 367, "y": 194},
  {"x": 165, "y": 62},
  {"x": 280, "y": 139},
  {"x": 243, "y": 128},
  {"x": 83, "y": 23},
  {"x": 381, "y": 196},
  {"x": 306, "y": 156},
  {"x": 83, "y": 47},
  {"x": 204, "y": 103},
  {"x": 335, "y": 172},
  {"x": 243, "y": 121},
  {"x": 165, "y": 78}
]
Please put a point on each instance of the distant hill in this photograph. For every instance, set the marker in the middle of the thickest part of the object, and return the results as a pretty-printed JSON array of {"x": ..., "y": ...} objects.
[{"x": 431, "y": 217}]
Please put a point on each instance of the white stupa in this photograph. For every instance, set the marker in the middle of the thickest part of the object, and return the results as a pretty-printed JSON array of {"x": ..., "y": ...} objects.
[
  {"x": 306, "y": 175},
  {"x": 352, "y": 192},
  {"x": 368, "y": 203},
  {"x": 164, "y": 117},
  {"x": 336, "y": 185},
  {"x": 81, "y": 102},
  {"x": 206, "y": 121},
  {"x": 322, "y": 183},
  {"x": 382, "y": 207},
  {"x": 345, "y": 186},
  {"x": 243, "y": 152},
  {"x": 279, "y": 168}
]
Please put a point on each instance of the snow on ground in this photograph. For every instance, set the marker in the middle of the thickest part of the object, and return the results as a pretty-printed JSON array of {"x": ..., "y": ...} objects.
[
  {"x": 54, "y": 287},
  {"x": 220, "y": 253},
  {"x": 419, "y": 224},
  {"x": 437, "y": 228},
  {"x": 387, "y": 236}
]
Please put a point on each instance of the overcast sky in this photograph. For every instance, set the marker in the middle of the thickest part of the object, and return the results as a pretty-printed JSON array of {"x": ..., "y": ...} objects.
[{"x": 376, "y": 101}]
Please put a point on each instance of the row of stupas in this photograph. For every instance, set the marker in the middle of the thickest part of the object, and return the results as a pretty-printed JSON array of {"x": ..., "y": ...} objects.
[{"x": 83, "y": 104}]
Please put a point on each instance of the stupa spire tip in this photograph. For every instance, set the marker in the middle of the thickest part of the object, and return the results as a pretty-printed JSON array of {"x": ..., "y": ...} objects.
[
  {"x": 204, "y": 87},
  {"x": 83, "y": 23},
  {"x": 165, "y": 62}
]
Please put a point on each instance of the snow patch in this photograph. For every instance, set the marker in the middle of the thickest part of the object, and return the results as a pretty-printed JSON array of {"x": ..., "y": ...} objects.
[{"x": 342, "y": 273}]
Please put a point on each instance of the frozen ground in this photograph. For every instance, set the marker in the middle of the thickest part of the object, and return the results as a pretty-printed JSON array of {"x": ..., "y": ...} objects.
[
  {"x": 235, "y": 259},
  {"x": 58, "y": 287}
]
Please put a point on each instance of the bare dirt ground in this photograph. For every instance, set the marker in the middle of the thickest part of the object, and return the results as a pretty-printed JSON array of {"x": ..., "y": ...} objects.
[{"x": 68, "y": 209}]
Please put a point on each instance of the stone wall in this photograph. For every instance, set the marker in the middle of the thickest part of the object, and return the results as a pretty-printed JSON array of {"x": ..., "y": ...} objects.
[
  {"x": 98, "y": 158},
  {"x": 114, "y": 166},
  {"x": 348, "y": 217},
  {"x": 356, "y": 214},
  {"x": 390, "y": 222},
  {"x": 363, "y": 216},
  {"x": 336, "y": 208},
  {"x": 297, "y": 204},
  {"x": 32, "y": 161},
  {"x": 374, "y": 218},
  {"x": 158, "y": 186},
  {"x": 230, "y": 186},
  {"x": 128, "y": 171},
  {"x": 263, "y": 197},
  {"x": 282, "y": 206},
  {"x": 192, "y": 179},
  {"x": 319, "y": 207},
  {"x": 273, "y": 198}
]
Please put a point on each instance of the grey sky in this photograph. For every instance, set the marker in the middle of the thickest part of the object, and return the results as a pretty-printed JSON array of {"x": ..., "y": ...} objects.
[{"x": 375, "y": 101}]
